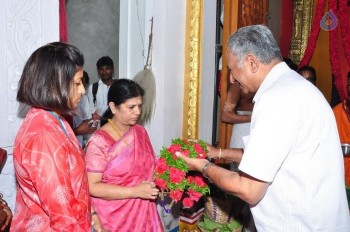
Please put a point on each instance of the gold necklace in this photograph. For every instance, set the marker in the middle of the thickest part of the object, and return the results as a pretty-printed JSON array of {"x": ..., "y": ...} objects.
[{"x": 115, "y": 128}]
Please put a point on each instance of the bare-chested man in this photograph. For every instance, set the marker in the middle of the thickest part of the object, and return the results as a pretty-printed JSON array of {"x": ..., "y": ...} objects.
[{"x": 237, "y": 110}]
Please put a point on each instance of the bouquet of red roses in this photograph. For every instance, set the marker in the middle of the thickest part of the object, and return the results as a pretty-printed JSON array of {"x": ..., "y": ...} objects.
[{"x": 172, "y": 176}]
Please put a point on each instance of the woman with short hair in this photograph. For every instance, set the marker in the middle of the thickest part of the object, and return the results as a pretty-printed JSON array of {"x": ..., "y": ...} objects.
[{"x": 52, "y": 191}]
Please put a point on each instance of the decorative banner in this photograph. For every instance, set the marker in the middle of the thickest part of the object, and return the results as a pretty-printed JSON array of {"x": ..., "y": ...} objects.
[
  {"x": 315, "y": 31},
  {"x": 301, "y": 28}
]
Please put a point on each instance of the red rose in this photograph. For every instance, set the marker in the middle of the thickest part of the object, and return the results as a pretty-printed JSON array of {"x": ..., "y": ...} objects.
[
  {"x": 199, "y": 150},
  {"x": 202, "y": 155},
  {"x": 176, "y": 194},
  {"x": 176, "y": 175},
  {"x": 161, "y": 166},
  {"x": 161, "y": 183},
  {"x": 174, "y": 156},
  {"x": 185, "y": 152},
  {"x": 200, "y": 181},
  {"x": 194, "y": 196},
  {"x": 174, "y": 148},
  {"x": 190, "y": 179},
  {"x": 187, "y": 202}
]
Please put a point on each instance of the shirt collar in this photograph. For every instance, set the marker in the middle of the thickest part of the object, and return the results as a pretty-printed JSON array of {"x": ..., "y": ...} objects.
[{"x": 275, "y": 73}]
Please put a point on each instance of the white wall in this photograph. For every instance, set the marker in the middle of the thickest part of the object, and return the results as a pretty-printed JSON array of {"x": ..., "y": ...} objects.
[
  {"x": 167, "y": 59},
  {"x": 94, "y": 28},
  {"x": 168, "y": 67},
  {"x": 135, "y": 26},
  {"x": 24, "y": 26}
]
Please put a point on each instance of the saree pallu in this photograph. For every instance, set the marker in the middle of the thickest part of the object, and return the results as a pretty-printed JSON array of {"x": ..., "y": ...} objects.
[
  {"x": 343, "y": 125},
  {"x": 126, "y": 162}
]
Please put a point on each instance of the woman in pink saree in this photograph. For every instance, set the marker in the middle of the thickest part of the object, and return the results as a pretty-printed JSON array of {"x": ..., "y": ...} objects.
[{"x": 120, "y": 163}]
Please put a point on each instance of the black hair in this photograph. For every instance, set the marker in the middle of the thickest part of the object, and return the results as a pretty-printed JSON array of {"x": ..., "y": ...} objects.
[
  {"x": 105, "y": 61},
  {"x": 86, "y": 78},
  {"x": 310, "y": 69},
  {"x": 48, "y": 75},
  {"x": 120, "y": 91},
  {"x": 290, "y": 63}
]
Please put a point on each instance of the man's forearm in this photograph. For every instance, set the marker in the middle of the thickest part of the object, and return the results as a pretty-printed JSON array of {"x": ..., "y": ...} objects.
[
  {"x": 231, "y": 154},
  {"x": 225, "y": 179},
  {"x": 241, "y": 185},
  {"x": 233, "y": 118}
]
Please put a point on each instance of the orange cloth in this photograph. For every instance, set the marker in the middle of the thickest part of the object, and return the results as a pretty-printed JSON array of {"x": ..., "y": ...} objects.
[{"x": 343, "y": 125}]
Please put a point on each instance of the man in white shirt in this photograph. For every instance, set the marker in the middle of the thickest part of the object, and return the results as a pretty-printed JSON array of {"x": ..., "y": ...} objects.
[
  {"x": 97, "y": 93},
  {"x": 291, "y": 170}
]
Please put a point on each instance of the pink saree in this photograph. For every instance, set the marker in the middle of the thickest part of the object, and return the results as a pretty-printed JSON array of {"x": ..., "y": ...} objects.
[{"x": 126, "y": 162}]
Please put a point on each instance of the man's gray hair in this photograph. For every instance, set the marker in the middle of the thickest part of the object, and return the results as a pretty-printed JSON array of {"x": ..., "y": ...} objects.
[{"x": 256, "y": 40}]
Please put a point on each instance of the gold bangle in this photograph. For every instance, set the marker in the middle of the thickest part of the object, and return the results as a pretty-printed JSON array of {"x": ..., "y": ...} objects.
[
  {"x": 220, "y": 153},
  {"x": 121, "y": 193}
]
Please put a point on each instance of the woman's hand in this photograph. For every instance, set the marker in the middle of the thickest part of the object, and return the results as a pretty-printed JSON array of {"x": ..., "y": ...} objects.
[
  {"x": 147, "y": 190},
  {"x": 99, "y": 228}
]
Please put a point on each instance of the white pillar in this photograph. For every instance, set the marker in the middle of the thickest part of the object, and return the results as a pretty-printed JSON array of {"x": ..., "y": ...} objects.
[{"x": 25, "y": 26}]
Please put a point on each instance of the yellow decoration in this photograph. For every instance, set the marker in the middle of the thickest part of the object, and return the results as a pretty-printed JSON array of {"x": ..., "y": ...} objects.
[{"x": 192, "y": 81}]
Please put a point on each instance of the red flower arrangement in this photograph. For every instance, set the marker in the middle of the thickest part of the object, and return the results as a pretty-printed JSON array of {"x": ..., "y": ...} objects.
[{"x": 172, "y": 177}]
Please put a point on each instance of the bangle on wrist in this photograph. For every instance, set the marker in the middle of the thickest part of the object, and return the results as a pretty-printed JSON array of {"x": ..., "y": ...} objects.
[
  {"x": 220, "y": 153},
  {"x": 206, "y": 166}
]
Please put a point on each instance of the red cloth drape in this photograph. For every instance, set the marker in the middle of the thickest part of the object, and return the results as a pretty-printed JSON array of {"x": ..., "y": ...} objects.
[
  {"x": 63, "y": 21},
  {"x": 334, "y": 52},
  {"x": 287, "y": 26},
  {"x": 339, "y": 42}
]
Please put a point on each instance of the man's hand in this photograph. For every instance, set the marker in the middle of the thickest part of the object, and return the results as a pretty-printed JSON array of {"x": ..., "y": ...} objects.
[
  {"x": 212, "y": 151},
  {"x": 95, "y": 115},
  {"x": 85, "y": 128},
  {"x": 192, "y": 163}
]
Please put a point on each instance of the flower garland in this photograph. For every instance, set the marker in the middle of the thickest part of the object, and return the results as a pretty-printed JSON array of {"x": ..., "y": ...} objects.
[{"x": 172, "y": 175}]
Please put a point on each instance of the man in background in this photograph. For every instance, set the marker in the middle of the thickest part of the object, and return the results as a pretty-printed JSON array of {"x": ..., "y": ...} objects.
[
  {"x": 342, "y": 116},
  {"x": 97, "y": 93},
  {"x": 309, "y": 73}
]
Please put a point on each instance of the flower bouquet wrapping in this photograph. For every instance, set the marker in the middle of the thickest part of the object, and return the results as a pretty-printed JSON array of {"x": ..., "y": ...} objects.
[{"x": 172, "y": 175}]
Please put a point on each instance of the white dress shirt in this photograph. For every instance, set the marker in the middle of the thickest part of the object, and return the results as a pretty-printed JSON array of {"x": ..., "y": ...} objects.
[{"x": 294, "y": 145}]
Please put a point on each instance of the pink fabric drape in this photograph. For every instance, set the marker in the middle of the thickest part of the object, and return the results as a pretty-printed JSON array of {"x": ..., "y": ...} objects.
[
  {"x": 126, "y": 162},
  {"x": 63, "y": 21}
]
